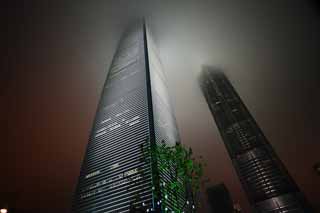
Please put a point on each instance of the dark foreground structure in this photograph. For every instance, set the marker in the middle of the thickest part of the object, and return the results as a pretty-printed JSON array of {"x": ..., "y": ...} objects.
[
  {"x": 265, "y": 180},
  {"x": 316, "y": 168},
  {"x": 219, "y": 199},
  {"x": 134, "y": 109}
]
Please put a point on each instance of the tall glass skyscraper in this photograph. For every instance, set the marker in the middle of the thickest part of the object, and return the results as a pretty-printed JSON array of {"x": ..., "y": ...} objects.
[
  {"x": 265, "y": 180},
  {"x": 134, "y": 109}
]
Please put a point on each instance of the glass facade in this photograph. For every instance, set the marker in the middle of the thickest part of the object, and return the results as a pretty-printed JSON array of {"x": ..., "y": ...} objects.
[
  {"x": 268, "y": 185},
  {"x": 134, "y": 110}
]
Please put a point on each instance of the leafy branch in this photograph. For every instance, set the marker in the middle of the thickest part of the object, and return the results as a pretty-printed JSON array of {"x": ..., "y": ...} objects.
[{"x": 184, "y": 172}]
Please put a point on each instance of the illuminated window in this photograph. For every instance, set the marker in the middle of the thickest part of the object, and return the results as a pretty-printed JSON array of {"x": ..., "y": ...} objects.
[
  {"x": 111, "y": 125},
  {"x": 99, "y": 130},
  {"x": 106, "y": 120},
  {"x": 92, "y": 174},
  {"x": 132, "y": 119},
  {"x": 115, "y": 127},
  {"x": 99, "y": 134},
  {"x": 133, "y": 123},
  {"x": 116, "y": 165},
  {"x": 131, "y": 172},
  {"x": 121, "y": 113},
  {"x": 88, "y": 194}
]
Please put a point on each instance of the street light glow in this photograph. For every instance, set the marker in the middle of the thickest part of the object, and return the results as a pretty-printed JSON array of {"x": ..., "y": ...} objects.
[{"x": 3, "y": 210}]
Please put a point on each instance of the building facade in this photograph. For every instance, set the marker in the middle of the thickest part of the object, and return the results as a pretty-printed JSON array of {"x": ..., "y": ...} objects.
[
  {"x": 268, "y": 185},
  {"x": 134, "y": 110}
]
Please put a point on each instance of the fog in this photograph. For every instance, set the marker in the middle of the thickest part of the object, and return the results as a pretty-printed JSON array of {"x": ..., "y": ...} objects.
[{"x": 60, "y": 58}]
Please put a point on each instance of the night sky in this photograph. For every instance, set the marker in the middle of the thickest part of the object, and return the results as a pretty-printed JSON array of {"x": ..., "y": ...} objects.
[{"x": 56, "y": 57}]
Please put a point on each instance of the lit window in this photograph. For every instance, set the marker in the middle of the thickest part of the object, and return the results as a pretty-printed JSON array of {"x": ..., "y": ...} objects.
[
  {"x": 92, "y": 174},
  {"x": 88, "y": 194},
  {"x": 116, "y": 165},
  {"x": 121, "y": 113},
  {"x": 115, "y": 127},
  {"x": 113, "y": 124},
  {"x": 133, "y": 123},
  {"x": 99, "y": 134},
  {"x": 100, "y": 130},
  {"x": 131, "y": 172},
  {"x": 106, "y": 120},
  {"x": 132, "y": 119}
]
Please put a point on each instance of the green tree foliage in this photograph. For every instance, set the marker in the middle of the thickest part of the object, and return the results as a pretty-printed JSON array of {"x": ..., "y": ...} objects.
[{"x": 185, "y": 173}]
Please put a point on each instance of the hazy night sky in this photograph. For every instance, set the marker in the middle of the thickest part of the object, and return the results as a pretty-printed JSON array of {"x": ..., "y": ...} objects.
[{"x": 57, "y": 59}]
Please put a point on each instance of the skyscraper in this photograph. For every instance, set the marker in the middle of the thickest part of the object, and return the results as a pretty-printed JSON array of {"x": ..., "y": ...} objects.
[
  {"x": 265, "y": 180},
  {"x": 134, "y": 109}
]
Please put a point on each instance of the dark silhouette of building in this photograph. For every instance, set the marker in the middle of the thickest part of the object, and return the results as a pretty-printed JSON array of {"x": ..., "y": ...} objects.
[
  {"x": 316, "y": 168},
  {"x": 219, "y": 199},
  {"x": 134, "y": 110},
  {"x": 268, "y": 185}
]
